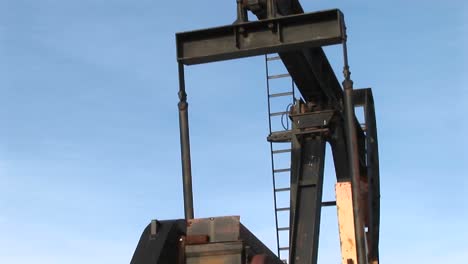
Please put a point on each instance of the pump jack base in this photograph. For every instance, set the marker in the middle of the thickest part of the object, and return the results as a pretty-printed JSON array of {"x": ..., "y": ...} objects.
[{"x": 215, "y": 240}]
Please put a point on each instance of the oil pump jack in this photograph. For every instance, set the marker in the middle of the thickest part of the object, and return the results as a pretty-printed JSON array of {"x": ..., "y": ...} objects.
[{"x": 324, "y": 112}]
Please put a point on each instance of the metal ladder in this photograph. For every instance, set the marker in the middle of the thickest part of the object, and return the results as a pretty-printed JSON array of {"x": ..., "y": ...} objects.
[{"x": 280, "y": 151}]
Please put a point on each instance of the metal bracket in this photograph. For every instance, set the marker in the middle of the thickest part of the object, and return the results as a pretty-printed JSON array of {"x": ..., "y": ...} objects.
[{"x": 154, "y": 228}]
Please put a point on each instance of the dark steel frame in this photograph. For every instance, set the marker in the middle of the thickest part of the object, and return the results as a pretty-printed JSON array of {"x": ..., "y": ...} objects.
[{"x": 298, "y": 39}]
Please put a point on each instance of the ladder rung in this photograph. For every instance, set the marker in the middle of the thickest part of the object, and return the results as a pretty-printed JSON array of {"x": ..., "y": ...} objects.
[
  {"x": 282, "y": 190},
  {"x": 284, "y": 248},
  {"x": 281, "y": 132},
  {"x": 273, "y": 58},
  {"x": 279, "y": 113},
  {"x": 281, "y": 170},
  {"x": 280, "y": 94},
  {"x": 331, "y": 203},
  {"x": 277, "y": 76},
  {"x": 283, "y": 228},
  {"x": 282, "y": 209},
  {"x": 281, "y": 151}
]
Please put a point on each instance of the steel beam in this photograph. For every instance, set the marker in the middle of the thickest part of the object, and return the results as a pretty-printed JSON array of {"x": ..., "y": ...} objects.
[
  {"x": 308, "y": 155},
  {"x": 261, "y": 37},
  {"x": 339, "y": 148}
]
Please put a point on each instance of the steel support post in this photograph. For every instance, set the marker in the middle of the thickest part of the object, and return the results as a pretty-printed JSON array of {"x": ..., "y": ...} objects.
[
  {"x": 339, "y": 150},
  {"x": 306, "y": 198},
  {"x": 271, "y": 8},
  {"x": 242, "y": 16},
  {"x": 185, "y": 146},
  {"x": 353, "y": 158}
]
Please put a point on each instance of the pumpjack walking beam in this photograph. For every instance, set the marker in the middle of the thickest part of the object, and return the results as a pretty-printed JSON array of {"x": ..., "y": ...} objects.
[{"x": 298, "y": 39}]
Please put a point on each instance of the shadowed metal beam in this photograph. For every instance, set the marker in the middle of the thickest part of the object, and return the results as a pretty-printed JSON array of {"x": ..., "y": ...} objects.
[
  {"x": 308, "y": 157},
  {"x": 260, "y": 37}
]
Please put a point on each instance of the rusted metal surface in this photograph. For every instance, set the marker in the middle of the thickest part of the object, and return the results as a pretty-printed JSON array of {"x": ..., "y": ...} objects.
[
  {"x": 344, "y": 205},
  {"x": 227, "y": 242},
  {"x": 216, "y": 253},
  {"x": 197, "y": 239},
  {"x": 261, "y": 259},
  {"x": 255, "y": 246},
  {"x": 218, "y": 229}
]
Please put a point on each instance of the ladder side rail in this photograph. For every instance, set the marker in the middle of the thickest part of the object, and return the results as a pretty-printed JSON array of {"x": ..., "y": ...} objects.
[{"x": 271, "y": 155}]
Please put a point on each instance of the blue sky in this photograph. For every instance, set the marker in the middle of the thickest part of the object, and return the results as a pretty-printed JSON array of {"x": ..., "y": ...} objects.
[{"x": 89, "y": 145}]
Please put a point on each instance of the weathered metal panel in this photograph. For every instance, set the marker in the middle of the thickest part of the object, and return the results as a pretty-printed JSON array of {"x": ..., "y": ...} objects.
[
  {"x": 218, "y": 229},
  {"x": 216, "y": 253},
  {"x": 226, "y": 229},
  {"x": 256, "y": 247},
  {"x": 344, "y": 205},
  {"x": 312, "y": 119}
]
